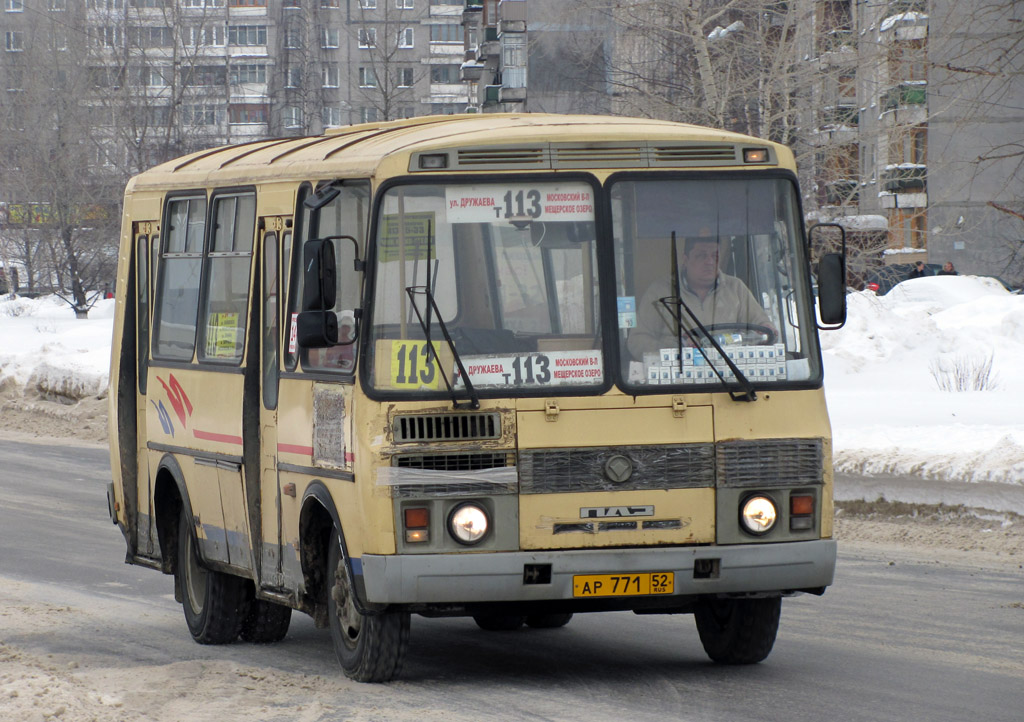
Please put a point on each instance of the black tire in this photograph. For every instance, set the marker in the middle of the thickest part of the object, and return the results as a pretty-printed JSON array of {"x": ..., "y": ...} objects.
[
  {"x": 370, "y": 648},
  {"x": 548, "y": 621},
  {"x": 215, "y": 603},
  {"x": 499, "y": 622},
  {"x": 266, "y": 622},
  {"x": 738, "y": 631}
]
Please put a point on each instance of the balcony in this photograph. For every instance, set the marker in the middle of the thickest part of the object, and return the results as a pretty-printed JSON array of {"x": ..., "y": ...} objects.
[
  {"x": 492, "y": 94},
  {"x": 908, "y": 100},
  {"x": 906, "y": 21},
  {"x": 839, "y": 116},
  {"x": 905, "y": 178},
  {"x": 512, "y": 95},
  {"x": 845, "y": 191},
  {"x": 471, "y": 70}
]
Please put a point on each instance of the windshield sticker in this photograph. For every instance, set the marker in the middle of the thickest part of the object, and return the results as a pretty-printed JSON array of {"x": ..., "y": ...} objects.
[
  {"x": 627, "y": 311},
  {"x": 417, "y": 242},
  {"x": 554, "y": 368},
  {"x": 413, "y": 366},
  {"x": 757, "y": 363},
  {"x": 519, "y": 203}
]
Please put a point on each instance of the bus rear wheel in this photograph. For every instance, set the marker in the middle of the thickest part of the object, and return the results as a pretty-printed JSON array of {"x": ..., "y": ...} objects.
[
  {"x": 370, "y": 648},
  {"x": 215, "y": 603},
  {"x": 738, "y": 631}
]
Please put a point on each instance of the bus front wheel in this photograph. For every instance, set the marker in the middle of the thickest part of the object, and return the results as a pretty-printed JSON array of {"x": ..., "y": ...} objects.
[
  {"x": 370, "y": 648},
  {"x": 215, "y": 603},
  {"x": 738, "y": 631}
]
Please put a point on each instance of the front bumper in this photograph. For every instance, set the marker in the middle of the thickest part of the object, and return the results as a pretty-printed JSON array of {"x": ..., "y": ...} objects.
[{"x": 499, "y": 576}]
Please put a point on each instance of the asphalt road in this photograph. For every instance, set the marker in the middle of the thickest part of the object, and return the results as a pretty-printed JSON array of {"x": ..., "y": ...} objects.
[{"x": 903, "y": 641}]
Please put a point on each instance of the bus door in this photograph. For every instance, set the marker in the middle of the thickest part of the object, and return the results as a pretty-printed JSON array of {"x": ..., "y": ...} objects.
[
  {"x": 145, "y": 238},
  {"x": 276, "y": 244}
]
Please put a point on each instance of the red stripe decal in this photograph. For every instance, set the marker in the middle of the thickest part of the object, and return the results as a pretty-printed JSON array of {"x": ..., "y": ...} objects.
[
  {"x": 349, "y": 456},
  {"x": 295, "y": 449},
  {"x": 222, "y": 438}
]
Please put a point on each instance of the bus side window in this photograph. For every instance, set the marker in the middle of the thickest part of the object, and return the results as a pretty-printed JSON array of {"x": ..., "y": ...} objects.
[
  {"x": 292, "y": 263},
  {"x": 181, "y": 262}
]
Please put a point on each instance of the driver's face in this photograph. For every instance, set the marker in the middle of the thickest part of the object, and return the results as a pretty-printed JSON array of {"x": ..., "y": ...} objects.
[{"x": 702, "y": 265}]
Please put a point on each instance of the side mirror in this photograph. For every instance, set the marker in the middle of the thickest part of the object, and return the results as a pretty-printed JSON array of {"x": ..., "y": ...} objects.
[
  {"x": 317, "y": 325},
  {"x": 831, "y": 275},
  {"x": 832, "y": 291}
]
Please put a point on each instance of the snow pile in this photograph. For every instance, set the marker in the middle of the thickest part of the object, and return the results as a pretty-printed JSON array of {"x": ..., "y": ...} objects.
[
  {"x": 883, "y": 372},
  {"x": 889, "y": 415},
  {"x": 43, "y": 347}
]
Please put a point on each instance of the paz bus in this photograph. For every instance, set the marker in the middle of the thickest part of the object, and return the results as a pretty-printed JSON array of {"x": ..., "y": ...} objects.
[{"x": 460, "y": 366}]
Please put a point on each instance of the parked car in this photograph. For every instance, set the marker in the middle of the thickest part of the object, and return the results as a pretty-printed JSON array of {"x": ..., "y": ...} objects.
[{"x": 881, "y": 280}]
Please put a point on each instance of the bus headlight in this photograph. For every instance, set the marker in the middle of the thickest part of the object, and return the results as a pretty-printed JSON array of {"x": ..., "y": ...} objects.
[
  {"x": 468, "y": 523},
  {"x": 758, "y": 515}
]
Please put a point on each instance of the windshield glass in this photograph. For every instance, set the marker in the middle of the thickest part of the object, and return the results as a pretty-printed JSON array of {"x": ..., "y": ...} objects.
[
  {"x": 512, "y": 270},
  {"x": 736, "y": 267}
]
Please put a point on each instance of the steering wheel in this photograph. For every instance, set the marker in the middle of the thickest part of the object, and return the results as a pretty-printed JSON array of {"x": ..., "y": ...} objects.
[{"x": 753, "y": 333}]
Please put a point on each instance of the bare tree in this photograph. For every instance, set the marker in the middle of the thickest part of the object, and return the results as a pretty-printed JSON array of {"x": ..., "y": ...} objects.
[{"x": 382, "y": 38}]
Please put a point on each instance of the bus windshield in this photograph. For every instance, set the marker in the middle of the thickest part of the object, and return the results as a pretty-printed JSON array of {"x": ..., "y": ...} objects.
[
  {"x": 722, "y": 254},
  {"x": 510, "y": 268}
]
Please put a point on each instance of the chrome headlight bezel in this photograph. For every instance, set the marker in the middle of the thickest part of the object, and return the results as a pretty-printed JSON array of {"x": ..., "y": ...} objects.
[
  {"x": 471, "y": 513},
  {"x": 757, "y": 507}
]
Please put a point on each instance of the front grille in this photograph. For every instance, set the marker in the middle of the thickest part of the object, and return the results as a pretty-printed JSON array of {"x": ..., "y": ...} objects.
[
  {"x": 770, "y": 462},
  {"x": 446, "y": 427},
  {"x": 471, "y": 461},
  {"x": 559, "y": 471}
]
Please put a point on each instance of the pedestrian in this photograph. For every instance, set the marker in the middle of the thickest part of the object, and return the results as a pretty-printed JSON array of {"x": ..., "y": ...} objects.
[
  {"x": 947, "y": 269},
  {"x": 918, "y": 271}
]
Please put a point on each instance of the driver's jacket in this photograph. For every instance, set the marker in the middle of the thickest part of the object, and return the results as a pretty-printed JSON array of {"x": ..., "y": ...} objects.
[{"x": 730, "y": 301}]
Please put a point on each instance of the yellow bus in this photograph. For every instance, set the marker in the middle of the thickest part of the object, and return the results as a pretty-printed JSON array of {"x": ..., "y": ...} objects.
[{"x": 513, "y": 367}]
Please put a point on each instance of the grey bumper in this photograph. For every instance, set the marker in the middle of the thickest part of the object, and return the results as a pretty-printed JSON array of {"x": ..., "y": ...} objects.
[{"x": 498, "y": 576}]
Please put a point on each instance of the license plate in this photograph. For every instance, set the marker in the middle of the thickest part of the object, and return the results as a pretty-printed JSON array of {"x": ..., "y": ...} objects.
[{"x": 622, "y": 585}]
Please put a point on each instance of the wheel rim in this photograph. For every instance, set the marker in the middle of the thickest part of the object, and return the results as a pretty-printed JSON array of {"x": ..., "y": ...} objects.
[
  {"x": 195, "y": 578},
  {"x": 349, "y": 618}
]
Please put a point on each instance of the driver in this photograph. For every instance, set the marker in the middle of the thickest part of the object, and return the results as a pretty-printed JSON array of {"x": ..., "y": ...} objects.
[{"x": 713, "y": 296}]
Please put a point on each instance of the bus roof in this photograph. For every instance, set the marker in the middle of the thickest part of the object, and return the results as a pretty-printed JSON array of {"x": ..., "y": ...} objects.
[{"x": 523, "y": 141}]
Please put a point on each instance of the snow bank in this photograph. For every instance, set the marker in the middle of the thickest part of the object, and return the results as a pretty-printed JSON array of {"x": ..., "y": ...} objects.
[{"x": 43, "y": 347}]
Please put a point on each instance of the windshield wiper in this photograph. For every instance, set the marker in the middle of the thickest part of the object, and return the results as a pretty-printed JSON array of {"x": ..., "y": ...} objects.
[
  {"x": 425, "y": 324},
  {"x": 680, "y": 305}
]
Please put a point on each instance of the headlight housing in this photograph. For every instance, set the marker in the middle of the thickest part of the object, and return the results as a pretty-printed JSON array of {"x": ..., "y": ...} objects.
[
  {"x": 468, "y": 523},
  {"x": 758, "y": 515}
]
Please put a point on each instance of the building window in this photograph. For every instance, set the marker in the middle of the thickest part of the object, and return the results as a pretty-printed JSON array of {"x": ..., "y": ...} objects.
[
  {"x": 367, "y": 37},
  {"x": 446, "y": 33},
  {"x": 405, "y": 77},
  {"x": 847, "y": 86},
  {"x": 403, "y": 4},
  {"x": 206, "y": 36},
  {"x": 367, "y": 78},
  {"x": 919, "y": 144},
  {"x": 293, "y": 78},
  {"x": 330, "y": 38},
  {"x": 247, "y": 3},
  {"x": 368, "y": 4},
  {"x": 368, "y": 115},
  {"x": 248, "y": 74},
  {"x": 292, "y": 117},
  {"x": 330, "y": 116},
  {"x": 147, "y": 3},
  {"x": 14, "y": 6},
  {"x": 247, "y": 113},
  {"x": 330, "y": 3},
  {"x": 57, "y": 6},
  {"x": 293, "y": 38},
  {"x": 330, "y": 75},
  {"x": 405, "y": 38},
  {"x": 247, "y": 35},
  {"x": 444, "y": 74},
  {"x": 14, "y": 41},
  {"x": 200, "y": 114}
]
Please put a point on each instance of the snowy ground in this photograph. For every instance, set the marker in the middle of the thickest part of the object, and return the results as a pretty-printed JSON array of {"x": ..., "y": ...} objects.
[{"x": 890, "y": 418}]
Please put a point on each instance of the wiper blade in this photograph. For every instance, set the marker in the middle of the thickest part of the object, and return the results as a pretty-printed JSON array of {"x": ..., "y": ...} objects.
[
  {"x": 474, "y": 398},
  {"x": 680, "y": 305}
]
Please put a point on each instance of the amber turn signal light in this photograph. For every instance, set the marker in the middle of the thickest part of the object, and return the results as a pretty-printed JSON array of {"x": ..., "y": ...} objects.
[{"x": 801, "y": 505}]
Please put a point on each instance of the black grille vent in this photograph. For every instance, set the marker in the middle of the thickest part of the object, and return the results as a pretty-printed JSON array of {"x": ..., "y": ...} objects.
[
  {"x": 599, "y": 157},
  {"x": 503, "y": 157},
  {"x": 771, "y": 462},
  {"x": 689, "y": 154},
  {"x": 446, "y": 427},
  {"x": 559, "y": 471},
  {"x": 453, "y": 462}
]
